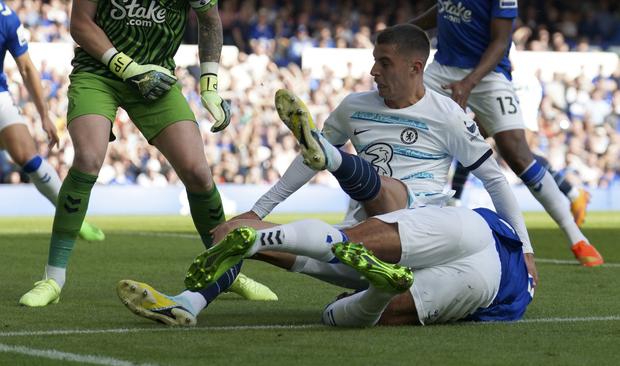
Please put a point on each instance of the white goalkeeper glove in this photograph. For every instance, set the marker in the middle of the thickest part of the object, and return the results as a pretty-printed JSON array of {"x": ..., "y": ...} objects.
[
  {"x": 152, "y": 81},
  {"x": 217, "y": 107}
]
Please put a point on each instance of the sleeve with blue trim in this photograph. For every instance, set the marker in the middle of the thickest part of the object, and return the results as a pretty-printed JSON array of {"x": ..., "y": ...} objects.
[{"x": 463, "y": 140}]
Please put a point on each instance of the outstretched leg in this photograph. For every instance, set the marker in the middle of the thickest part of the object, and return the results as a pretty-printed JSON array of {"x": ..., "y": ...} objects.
[{"x": 189, "y": 161}]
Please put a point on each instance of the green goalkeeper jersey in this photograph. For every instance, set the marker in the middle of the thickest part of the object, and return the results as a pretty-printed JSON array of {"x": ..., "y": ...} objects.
[{"x": 149, "y": 31}]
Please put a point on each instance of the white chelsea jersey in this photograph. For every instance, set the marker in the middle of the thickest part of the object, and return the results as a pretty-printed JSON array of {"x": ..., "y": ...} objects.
[{"x": 415, "y": 144}]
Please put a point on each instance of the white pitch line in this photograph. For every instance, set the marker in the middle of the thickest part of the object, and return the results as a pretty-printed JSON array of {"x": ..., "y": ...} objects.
[
  {"x": 569, "y": 261},
  {"x": 259, "y": 327},
  {"x": 161, "y": 329},
  {"x": 66, "y": 356},
  {"x": 572, "y": 320}
]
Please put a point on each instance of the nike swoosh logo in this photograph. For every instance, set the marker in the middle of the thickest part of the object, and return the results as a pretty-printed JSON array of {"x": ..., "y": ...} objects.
[
  {"x": 471, "y": 128},
  {"x": 357, "y": 132}
]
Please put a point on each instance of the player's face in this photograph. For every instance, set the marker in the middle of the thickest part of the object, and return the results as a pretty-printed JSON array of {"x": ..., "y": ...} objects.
[{"x": 392, "y": 73}]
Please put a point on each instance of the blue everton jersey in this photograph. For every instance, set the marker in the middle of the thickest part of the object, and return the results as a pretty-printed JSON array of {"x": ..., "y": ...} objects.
[
  {"x": 12, "y": 38},
  {"x": 464, "y": 31},
  {"x": 514, "y": 294}
]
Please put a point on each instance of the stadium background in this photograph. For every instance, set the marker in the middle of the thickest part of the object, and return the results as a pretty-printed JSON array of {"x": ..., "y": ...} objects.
[
  {"x": 574, "y": 319},
  {"x": 579, "y": 118}
]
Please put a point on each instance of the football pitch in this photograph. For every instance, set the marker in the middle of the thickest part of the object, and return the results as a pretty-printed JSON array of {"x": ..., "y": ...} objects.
[{"x": 573, "y": 320}]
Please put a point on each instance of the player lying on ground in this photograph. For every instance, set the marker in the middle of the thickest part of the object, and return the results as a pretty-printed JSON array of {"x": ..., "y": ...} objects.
[{"x": 418, "y": 266}]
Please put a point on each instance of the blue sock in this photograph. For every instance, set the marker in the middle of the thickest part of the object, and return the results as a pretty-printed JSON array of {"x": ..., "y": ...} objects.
[
  {"x": 533, "y": 175},
  {"x": 33, "y": 164},
  {"x": 559, "y": 178},
  {"x": 222, "y": 284},
  {"x": 357, "y": 177}
]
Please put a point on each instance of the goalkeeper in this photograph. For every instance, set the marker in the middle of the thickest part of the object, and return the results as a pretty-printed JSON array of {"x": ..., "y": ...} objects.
[{"x": 124, "y": 59}]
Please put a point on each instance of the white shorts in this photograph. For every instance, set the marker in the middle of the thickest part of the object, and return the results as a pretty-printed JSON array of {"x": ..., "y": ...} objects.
[
  {"x": 493, "y": 100},
  {"x": 356, "y": 212},
  {"x": 9, "y": 114},
  {"x": 452, "y": 253}
]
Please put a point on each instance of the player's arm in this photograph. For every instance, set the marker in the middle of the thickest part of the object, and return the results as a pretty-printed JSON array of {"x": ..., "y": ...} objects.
[
  {"x": 85, "y": 32},
  {"x": 152, "y": 81},
  {"x": 210, "y": 41},
  {"x": 293, "y": 178},
  {"x": 17, "y": 45},
  {"x": 298, "y": 173},
  {"x": 427, "y": 20},
  {"x": 506, "y": 206},
  {"x": 32, "y": 81},
  {"x": 501, "y": 30}
]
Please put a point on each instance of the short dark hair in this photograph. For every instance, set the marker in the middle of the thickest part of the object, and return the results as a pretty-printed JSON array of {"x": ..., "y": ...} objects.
[{"x": 407, "y": 38}]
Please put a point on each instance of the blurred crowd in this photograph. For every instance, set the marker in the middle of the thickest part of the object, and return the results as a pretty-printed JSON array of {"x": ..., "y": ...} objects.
[{"x": 579, "y": 118}]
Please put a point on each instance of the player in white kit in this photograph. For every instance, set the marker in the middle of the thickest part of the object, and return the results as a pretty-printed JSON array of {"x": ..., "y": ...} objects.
[
  {"x": 406, "y": 133},
  {"x": 472, "y": 66}
]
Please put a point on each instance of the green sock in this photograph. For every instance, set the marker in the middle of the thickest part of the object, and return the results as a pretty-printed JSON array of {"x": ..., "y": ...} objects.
[
  {"x": 70, "y": 211},
  {"x": 207, "y": 213}
]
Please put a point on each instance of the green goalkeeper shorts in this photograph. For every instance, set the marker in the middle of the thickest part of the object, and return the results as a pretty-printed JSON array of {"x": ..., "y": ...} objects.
[{"x": 93, "y": 94}]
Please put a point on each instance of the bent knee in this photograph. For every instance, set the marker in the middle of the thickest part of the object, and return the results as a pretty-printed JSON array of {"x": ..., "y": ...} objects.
[
  {"x": 400, "y": 311},
  {"x": 196, "y": 178},
  {"x": 88, "y": 162}
]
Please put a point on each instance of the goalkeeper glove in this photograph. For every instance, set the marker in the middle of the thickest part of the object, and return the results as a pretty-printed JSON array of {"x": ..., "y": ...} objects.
[
  {"x": 217, "y": 107},
  {"x": 152, "y": 81}
]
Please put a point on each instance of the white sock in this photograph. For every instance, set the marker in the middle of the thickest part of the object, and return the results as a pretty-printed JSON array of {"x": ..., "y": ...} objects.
[
  {"x": 192, "y": 301},
  {"x": 335, "y": 273},
  {"x": 362, "y": 309},
  {"x": 558, "y": 207},
  {"x": 47, "y": 181},
  {"x": 311, "y": 238},
  {"x": 573, "y": 193},
  {"x": 57, "y": 274},
  {"x": 334, "y": 159}
]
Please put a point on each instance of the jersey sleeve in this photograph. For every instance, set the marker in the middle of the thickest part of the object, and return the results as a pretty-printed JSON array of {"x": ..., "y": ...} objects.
[
  {"x": 504, "y": 9},
  {"x": 464, "y": 142},
  {"x": 333, "y": 128},
  {"x": 17, "y": 36}
]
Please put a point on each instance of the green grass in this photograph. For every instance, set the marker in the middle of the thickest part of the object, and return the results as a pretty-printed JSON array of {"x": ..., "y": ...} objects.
[{"x": 149, "y": 249}]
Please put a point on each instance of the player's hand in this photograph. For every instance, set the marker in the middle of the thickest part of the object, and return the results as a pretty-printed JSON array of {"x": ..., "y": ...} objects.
[
  {"x": 220, "y": 231},
  {"x": 217, "y": 107},
  {"x": 50, "y": 129},
  {"x": 531, "y": 268},
  {"x": 460, "y": 91},
  {"x": 152, "y": 81}
]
